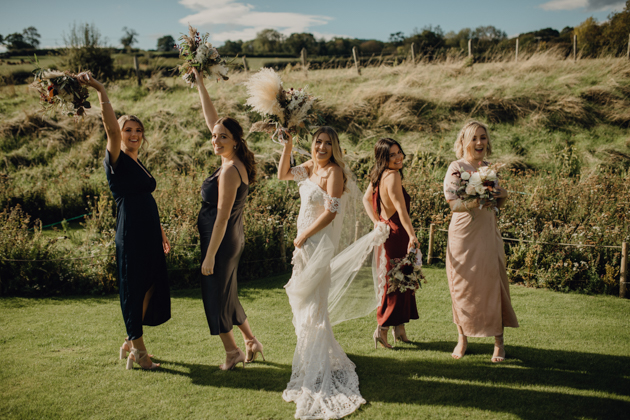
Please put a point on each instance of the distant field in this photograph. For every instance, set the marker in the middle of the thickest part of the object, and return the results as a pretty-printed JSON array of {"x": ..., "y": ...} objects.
[{"x": 126, "y": 61}]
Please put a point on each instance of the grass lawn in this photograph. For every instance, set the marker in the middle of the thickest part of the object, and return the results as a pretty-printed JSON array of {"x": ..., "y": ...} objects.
[{"x": 569, "y": 359}]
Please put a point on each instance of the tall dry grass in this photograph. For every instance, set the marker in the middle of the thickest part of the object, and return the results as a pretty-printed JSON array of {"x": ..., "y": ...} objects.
[{"x": 560, "y": 126}]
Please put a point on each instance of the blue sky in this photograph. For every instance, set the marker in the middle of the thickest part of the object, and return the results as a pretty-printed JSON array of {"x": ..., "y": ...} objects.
[{"x": 235, "y": 19}]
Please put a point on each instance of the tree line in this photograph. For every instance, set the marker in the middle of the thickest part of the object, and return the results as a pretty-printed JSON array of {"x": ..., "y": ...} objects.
[{"x": 609, "y": 37}]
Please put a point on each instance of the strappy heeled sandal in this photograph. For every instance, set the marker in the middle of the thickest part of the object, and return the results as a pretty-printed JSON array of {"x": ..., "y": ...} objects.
[
  {"x": 378, "y": 339},
  {"x": 252, "y": 348},
  {"x": 458, "y": 356},
  {"x": 136, "y": 356},
  {"x": 125, "y": 348},
  {"x": 400, "y": 337},
  {"x": 232, "y": 358}
]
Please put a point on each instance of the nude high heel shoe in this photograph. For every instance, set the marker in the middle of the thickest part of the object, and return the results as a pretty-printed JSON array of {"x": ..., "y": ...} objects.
[
  {"x": 252, "y": 348},
  {"x": 136, "y": 356},
  {"x": 378, "y": 339},
  {"x": 399, "y": 336},
  {"x": 232, "y": 358},
  {"x": 126, "y": 347}
]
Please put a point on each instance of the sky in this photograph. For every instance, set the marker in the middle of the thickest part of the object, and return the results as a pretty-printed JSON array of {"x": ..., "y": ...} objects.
[{"x": 235, "y": 19}]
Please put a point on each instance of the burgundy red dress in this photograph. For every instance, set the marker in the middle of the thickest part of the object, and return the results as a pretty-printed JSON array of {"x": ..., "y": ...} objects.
[{"x": 396, "y": 307}]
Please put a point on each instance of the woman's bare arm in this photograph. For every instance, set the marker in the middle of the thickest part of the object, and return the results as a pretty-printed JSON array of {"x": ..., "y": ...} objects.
[
  {"x": 209, "y": 112},
  {"x": 392, "y": 184},
  {"x": 229, "y": 181},
  {"x": 367, "y": 203}
]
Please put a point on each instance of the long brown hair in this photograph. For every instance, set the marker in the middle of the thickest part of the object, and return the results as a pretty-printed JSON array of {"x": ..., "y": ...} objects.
[
  {"x": 337, "y": 154},
  {"x": 381, "y": 155},
  {"x": 242, "y": 151}
]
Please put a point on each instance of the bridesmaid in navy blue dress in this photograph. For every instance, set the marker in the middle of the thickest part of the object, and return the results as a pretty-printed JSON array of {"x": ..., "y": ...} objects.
[
  {"x": 220, "y": 224},
  {"x": 140, "y": 240}
]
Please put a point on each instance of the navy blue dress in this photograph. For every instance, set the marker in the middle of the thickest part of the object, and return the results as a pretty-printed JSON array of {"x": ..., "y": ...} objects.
[
  {"x": 139, "y": 252},
  {"x": 220, "y": 290}
]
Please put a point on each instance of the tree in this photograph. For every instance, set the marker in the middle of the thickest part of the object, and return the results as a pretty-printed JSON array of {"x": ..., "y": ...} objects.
[
  {"x": 130, "y": 38},
  {"x": 85, "y": 51},
  {"x": 166, "y": 43},
  {"x": 31, "y": 36},
  {"x": 588, "y": 36},
  {"x": 615, "y": 31},
  {"x": 1, "y": 40},
  {"x": 295, "y": 42},
  {"x": 372, "y": 46},
  {"x": 268, "y": 40},
  {"x": 231, "y": 47},
  {"x": 16, "y": 41},
  {"x": 397, "y": 39}
]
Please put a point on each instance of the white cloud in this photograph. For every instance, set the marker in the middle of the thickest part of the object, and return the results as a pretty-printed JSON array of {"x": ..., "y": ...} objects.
[
  {"x": 246, "y": 20},
  {"x": 590, "y": 5}
]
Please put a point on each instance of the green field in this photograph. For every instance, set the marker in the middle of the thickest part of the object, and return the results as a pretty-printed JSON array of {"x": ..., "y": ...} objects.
[{"x": 568, "y": 360}]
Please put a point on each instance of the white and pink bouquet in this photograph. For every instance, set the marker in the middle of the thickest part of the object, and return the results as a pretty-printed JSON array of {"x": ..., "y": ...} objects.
[
  {"x": 406, "y": 273},
  {"x": 197, "y": 52},
  {"x": 282, "y": 110},
  {"x": 478, "y": 185}
]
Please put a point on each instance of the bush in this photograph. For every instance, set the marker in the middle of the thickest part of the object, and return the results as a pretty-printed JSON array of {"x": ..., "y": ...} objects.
[{"x": 97, "y": 60}]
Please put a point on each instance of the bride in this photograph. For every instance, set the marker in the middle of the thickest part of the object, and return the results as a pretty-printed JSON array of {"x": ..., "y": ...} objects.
[{"x": 323, "y": 382}]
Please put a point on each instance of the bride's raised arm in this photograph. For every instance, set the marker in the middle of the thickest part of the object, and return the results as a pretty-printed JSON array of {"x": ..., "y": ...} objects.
[
  {"x": 209, "y": 112},
  {"x": 284, "y": 166}
]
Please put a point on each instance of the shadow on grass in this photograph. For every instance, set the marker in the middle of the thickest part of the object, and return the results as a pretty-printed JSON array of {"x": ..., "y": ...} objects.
[
  {"x": 532, "y": 383},
  {"x": 267, "y": 376}
]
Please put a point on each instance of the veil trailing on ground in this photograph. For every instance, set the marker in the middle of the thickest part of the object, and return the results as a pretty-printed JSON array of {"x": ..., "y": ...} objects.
[{"x": 357, "y": 269}]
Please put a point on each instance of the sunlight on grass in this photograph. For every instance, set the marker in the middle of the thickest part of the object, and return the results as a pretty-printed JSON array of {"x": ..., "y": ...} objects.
[{"x": 60, "y": 360}]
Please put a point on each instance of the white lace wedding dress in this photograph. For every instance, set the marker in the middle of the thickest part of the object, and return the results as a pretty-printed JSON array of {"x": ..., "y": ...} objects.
[{"x": 323, "y": 383}]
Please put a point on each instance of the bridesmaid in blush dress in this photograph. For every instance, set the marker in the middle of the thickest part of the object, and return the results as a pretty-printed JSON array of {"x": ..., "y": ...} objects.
[
  {"x": 475, "y": 259},
  {"x": 220, "y": 224},
  {"x": 387, "y": 201}
]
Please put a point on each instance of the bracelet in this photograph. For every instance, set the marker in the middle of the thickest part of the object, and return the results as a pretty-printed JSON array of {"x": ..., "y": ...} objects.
[{"x": 106, "y": 103}]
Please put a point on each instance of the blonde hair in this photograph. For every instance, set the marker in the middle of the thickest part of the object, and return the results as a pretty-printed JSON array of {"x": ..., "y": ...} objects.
[
  {"x": 123, "y": 120},
  {"x": 466, "y": 135},
  {"x": 337, "y": 154}
]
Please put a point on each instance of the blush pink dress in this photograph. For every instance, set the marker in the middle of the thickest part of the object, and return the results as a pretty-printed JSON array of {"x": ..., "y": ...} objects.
[{"x": 475, "y": 266}]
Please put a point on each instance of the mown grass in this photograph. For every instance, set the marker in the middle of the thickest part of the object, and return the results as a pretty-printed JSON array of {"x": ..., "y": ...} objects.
[{"x": 568, "y": 360}]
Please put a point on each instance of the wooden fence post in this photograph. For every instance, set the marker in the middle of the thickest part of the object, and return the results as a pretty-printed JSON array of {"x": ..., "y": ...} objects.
[
  {"x": 245, "y": 66},
  {"x": 303, "y": 57},
  {"x": 413, "y": 53},
  {"x": 356, "y": 230},
  {"x": 431, "y": 235},
  {"x": 516, "y": 56},
  {"x": 574, "y": 47},
  {"x": 135, "y": 64},
  {"x": 283, "y": 248},
  {"x": 470, "y": 48},
  {"x": 623, "y": 273},
  {"x": 356, "y": 60},
  {"x": 629, "y": 47}
]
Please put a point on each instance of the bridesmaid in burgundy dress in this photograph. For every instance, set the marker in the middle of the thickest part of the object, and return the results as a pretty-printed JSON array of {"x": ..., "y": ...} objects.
[{"x": 387, "y": 201}]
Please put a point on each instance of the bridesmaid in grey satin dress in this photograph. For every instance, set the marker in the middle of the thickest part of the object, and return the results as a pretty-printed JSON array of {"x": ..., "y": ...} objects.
[{"x": 220, "y": 224}]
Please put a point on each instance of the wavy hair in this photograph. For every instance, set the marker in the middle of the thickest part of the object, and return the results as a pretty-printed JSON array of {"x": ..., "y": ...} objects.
[
  {"x": 466, "y": 135},
  {"x": 123, "y": 120},
  {"x": 242, "y": 151},
  {"x": 337, "y": 153},
  {"x": 381, "y": 155}
]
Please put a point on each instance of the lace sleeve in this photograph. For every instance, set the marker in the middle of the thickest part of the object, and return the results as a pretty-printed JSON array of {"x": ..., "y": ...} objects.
[
  {"x": 299, "y": 173},
  {"x": 332, "y": 204}
]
